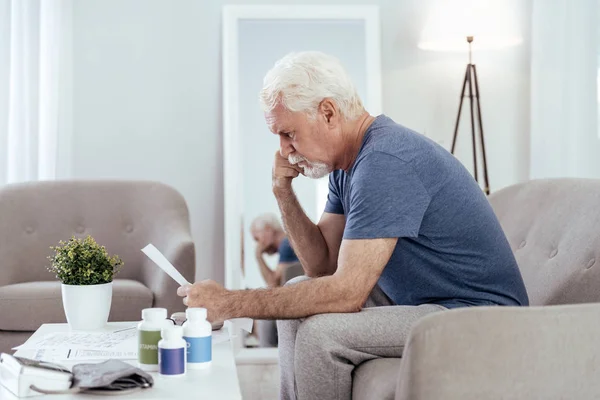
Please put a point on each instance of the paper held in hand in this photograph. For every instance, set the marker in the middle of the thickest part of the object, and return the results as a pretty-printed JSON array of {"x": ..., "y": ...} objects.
[
  {"x": 160, "y": 260},
  {"x": 155, "y": 255}
]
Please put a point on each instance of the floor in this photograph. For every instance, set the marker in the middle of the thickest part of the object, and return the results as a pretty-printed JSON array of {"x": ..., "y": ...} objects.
[
  {"x": 258, "y": 373},
  {"x": 259, "y": 382}
]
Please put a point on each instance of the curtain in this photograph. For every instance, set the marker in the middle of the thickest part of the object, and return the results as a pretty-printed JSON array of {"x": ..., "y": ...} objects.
[
  {"x": 33, "y": 108},
  {"x": 564, "y": 68}
]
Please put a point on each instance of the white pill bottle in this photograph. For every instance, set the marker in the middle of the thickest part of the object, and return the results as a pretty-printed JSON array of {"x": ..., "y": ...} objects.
[
  {"x": 197, "y": 332},
  {"x": 172, "y": 352},
  {"x": 153, "y": 320}
]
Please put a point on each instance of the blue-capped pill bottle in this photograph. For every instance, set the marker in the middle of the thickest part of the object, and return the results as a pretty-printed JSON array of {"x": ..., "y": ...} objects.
[
  {"x": 172, "y": 352},
  {"x": 197, "y": 332}
]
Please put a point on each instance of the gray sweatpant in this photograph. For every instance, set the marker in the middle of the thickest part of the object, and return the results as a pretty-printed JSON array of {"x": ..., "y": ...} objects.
[{"x": 317, "y": 354}]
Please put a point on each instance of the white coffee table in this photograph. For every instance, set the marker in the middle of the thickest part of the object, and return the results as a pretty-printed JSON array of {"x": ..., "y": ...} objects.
[{"x": 220, "y": 381}]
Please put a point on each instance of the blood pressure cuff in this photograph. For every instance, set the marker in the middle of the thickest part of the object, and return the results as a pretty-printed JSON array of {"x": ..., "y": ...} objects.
[
  {"x": 111, "y": 375},
  {"x": 108, "y": 377}
]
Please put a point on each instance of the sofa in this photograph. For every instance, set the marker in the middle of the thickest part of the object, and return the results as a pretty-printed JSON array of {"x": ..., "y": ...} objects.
[
  {"x": 547, "y": 350},
  {"x": 124, "y": 216}
]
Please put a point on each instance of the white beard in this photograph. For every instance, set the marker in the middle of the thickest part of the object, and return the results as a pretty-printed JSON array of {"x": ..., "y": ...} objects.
[{"x": 313, "y": 170}]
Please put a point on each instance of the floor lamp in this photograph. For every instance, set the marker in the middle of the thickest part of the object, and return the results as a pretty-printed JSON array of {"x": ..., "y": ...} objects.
[
  {"x": 471, "y": 82},
  {"x": 486, "y": 25}
]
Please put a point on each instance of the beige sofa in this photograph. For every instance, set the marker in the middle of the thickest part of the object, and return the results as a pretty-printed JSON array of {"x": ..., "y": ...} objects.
[
  {"x": 124, "y": 216},
  {"x": 546, "y": 351}
]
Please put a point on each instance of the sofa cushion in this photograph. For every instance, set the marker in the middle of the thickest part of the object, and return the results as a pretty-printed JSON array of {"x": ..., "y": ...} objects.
[
  {"x": 26, "y": 306},
  {"x": 376, "y": 379}
]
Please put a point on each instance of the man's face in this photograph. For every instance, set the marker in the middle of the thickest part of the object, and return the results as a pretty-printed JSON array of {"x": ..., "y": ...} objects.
[
  {"x": 302, "y": 140},
  {"x": 266, "y": 238}
]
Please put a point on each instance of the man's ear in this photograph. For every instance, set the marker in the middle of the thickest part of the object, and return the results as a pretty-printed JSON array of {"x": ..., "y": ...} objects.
[{"x": 328, "y": 109}]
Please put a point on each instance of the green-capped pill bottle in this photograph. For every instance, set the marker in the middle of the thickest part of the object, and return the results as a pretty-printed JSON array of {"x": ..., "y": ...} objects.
[{"x": 153, "y": 320}]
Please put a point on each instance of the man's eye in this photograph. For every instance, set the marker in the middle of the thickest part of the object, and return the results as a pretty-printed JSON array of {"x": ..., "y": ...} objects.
[{"x": 290, "y": 135}]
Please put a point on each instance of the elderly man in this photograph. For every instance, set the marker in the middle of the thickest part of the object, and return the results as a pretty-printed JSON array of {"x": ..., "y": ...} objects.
[
  {"x": 270, "y": 239},
  {"x": 406, "y": 232}
]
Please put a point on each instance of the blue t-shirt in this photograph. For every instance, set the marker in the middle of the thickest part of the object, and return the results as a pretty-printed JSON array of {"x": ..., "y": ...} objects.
[
  {"x": 286, "y": 253},
  {"x": 451, "y": 249}
]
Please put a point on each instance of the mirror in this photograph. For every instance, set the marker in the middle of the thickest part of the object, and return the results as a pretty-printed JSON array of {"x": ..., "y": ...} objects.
[{"x": 254, "y": 38}]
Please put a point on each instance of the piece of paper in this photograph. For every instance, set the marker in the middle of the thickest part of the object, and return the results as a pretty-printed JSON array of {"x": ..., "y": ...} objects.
[
  {"x": 126, "y": 350},
  {"x": 79, "y": 355},
  {"x": 241, "y": 323},
  {"x": 160, "y": 260},
  {"x": 116, "y": 340},
  {"x": 67, "y": 354}
]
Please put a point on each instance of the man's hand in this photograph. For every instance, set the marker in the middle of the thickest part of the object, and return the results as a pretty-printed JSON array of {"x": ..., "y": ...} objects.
[
  {"x": 261, "y": 248},
  {"x": 284, "y": 172},
  {"x": 207, "y": 294}
]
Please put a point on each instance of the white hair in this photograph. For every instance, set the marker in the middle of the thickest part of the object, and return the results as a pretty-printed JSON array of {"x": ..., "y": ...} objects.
[
  {"x": 264, "y": 220},
  {"x": 300, "y": 81}
]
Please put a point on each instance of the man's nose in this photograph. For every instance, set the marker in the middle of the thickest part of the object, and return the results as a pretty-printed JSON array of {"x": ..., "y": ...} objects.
[{"x": 285, "y": 146}]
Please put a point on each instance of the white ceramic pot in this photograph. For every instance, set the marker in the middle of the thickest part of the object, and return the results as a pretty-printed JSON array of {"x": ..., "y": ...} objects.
[{"x": 87, "y": 306}]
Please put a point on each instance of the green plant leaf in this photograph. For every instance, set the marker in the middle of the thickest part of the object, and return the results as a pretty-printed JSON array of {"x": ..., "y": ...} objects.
[{"x": 83, "y": 262}]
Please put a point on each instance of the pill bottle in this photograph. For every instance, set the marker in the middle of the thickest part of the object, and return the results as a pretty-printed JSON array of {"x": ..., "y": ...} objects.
[
  {"x": 149, "y": 334},
  {"x": 171, "y": 352},
  {"x": 197, "y": 332}
]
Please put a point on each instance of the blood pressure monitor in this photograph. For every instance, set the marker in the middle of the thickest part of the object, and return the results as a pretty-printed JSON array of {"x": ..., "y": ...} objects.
[{"x": 18, "y": 375}]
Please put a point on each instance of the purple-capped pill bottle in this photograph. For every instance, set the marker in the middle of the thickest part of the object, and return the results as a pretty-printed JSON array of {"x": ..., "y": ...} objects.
[{"x": 172, "y": 352}]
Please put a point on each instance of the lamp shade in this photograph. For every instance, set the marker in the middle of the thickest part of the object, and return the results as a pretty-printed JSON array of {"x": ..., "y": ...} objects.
[{"x": 492, "y": 23}]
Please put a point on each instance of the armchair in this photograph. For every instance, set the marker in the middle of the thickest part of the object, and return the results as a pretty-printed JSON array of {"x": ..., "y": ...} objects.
[
  {"x": 124, "y": 216},
  {"x": 511, "y": 352}
]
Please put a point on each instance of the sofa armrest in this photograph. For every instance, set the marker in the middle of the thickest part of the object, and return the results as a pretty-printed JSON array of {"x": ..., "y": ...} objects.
[
  {"x": 503, "y": 353},
  {"x": 180, "y": 251}
]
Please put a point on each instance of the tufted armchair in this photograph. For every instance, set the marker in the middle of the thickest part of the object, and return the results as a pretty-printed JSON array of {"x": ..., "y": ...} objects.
[
  {"x": 124, "y": 216},
  {"x": 544, "y": 351}
]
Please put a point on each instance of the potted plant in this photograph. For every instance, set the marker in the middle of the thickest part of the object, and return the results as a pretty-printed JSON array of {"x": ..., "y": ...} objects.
[{"x": 86, "y": 271}]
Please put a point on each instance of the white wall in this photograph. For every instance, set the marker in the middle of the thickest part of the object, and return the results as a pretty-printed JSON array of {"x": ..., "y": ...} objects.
[
  {"x": 423, "y": 90},
  {"x": 147, "y": 97},
  {"x": 147, "y": 104}
]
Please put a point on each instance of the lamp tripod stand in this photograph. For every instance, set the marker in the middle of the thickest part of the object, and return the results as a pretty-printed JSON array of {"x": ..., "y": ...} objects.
[{"x": 471, "y": 79}]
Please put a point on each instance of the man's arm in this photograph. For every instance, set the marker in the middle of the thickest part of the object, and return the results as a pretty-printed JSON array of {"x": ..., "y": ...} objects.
[
  {"x": 317, "y": 246},
  {"x": 272, "y": 278},
  {"x": 361, "y": 263}
]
